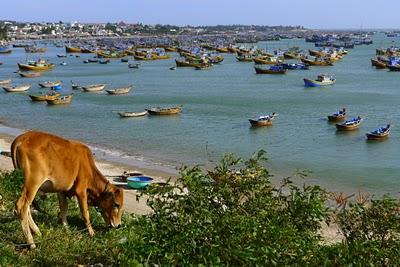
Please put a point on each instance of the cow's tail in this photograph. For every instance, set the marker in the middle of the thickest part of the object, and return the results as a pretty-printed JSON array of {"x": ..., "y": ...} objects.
[{"x": 14, "y": 156}]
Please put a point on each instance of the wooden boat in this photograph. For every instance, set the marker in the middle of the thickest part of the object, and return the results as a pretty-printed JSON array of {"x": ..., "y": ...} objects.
[
  {"x": 49, "y": 84},
  {"x": 62, "y": 100},
  {"x": 245, "y": 58},
  {"x": 316, "y": 53},
  {"x": 33, "y": 49},
  {"x": 338, "y": 116},
  {"x": 110, "y": 55},
  {"x": 94, "y": 88},
  {"x": 349, "y": 125},
  {"x": 5, "y": 51},
  {"x": 203, "y": 67},
  {"x": 395, "y": 67},
  {"x": 71, "y": 49},
  {"x": 216, "y": 59},
  {"x": 44, "y": 97},
  {"x": 119, "y": 91},
  {"x": 106, "y": 61},
  {"x": 170, "y": 49},
  {"x": 165, "y": 111},
  {"x": 124, "y": 60},
  {"x": 39, "y": 65},
  {"x": 157, "y": 56},
  {"x": 17, "y": 88},
  {"x": 276, "y": 69},
  {"x": 317, "y": 62},
  {"x": 291, "y": 55},
  {"x": 5, "y": 81},
  {"x": 87, "y": 51},
  {"x": 264, "y": 120},
  {"x": 295, "y": 66},
  {"x": 128, "y": 114},
  {"x": 133, "y": 66},
  {"x": 30, "y": 74},
  {"x": 266, "y": 60},
  {"x": 378, "y": 64},
  {"x": 75, "y": 86},
  {"x": 222, "y": 49},
  {"x": 61, "y": 55},
  {"x": 379, "y": 134},
  {"x": 322, "y": 80}
]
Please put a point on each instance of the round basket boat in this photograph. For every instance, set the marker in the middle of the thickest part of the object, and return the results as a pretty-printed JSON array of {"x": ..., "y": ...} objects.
[{"x": 139, "y": 182}]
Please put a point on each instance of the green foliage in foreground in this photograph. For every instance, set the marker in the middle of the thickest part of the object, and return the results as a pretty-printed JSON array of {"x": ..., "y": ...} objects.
[{"x": 232, "y": 215}]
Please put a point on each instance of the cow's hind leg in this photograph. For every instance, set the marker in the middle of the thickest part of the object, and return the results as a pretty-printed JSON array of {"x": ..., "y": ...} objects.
[
  {"x": 23, "y": 204},
  {"x": 62, "y": 200}
]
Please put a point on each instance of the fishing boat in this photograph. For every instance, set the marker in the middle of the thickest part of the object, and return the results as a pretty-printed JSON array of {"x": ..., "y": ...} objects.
[
  {"x": 317, "y": 62},
  {"x": 128, "y": 114},
  {"x": 264, "y": 120},
  {"x": 134, "y": 66},
  {"x": 106, "y": 61},
  {"x": 63, "y": 63},
  {"x": 34, "y": 49},
  {"x": 185, "y": 63},
  {"x": 5, "y": 81},
  {"x": 165, "y": 111},
  {"x": 172, "y": 68},
  {"x": 44, "y": 97},
  {"x": 40, "y": 65},
  {"x": 30, "y": 74},
  {"x": 245, "y": 58},
  {"x": 322, "y": 80},
  {"x": 378, "y": 64},
  {"x": 61, "y": 55},
  {"x": 124, "y": 60},
  {"x": 94, "y": 87},
  {"x": 119, "y": 91},
  {"x": 379, "y": 134},
  {"x": 75, "y": 86},
  {"x": 394, "y": 67},
  {"x": 62, "y": 100},
  {"x": 71, "y": 49},
  {"x": 203, "y": 67},
  {"x": 222, "y": 49},
  {"x": 17, "y": 88},
  {"x": 338, "y": 116},
  {"x": 316, "y": 53},
  {"x": 295, "y": 66},
  {"x": 50, "y": 84},
  {"x": 349, "y": 125},
  {"x": 276, "y": 69},
  {"x": 5, "y": 50},
  {"x": 265, "y": 60}
]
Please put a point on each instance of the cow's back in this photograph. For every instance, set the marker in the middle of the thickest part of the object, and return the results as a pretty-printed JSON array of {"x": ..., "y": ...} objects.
[{"x": 51, "y": 157}]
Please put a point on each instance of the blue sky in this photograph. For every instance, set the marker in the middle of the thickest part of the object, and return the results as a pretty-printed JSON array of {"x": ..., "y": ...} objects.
[{"x": 309, "y": 13}]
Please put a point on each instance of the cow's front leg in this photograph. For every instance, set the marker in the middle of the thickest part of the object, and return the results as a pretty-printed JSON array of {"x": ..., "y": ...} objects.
[
  {"x": 83, "y": 205},
  {"x": 62, "y": 200}
]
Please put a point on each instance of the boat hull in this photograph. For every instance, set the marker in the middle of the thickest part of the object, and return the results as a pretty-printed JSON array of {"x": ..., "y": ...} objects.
[
  {"x": 314, "y": 83},
  {"x": 44, "y": 97},
  {"x": 60, "y": 100},
  {"x": 260, "y": 123},
  {"x": 269, "y": 71}
]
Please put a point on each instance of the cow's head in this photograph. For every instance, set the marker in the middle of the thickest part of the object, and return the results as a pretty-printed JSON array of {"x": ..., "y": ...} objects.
[{"x": 111, "y": 205}]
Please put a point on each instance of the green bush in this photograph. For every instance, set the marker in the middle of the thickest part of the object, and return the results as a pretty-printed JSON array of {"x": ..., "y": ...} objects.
[{"x": 232, "y": 215}]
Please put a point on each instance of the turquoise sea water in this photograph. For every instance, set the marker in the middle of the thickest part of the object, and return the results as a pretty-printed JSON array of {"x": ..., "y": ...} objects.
[{"x": 216, "y": 107}]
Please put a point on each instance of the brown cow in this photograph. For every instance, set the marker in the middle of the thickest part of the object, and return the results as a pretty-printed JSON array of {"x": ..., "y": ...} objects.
[{"x": 52, "y": 164}]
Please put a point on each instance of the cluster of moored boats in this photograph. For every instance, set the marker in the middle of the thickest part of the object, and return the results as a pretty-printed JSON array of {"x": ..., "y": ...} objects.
[
  {"x": 338, "y": 118},
  {"x": 387, "y": 59}
]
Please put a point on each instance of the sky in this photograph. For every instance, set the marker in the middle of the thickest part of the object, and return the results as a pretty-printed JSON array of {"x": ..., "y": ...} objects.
[{"x": 314, "y": 14}]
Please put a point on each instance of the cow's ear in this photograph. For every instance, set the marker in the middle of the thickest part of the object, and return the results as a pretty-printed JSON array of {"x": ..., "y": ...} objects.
[{"x": 117, "y": 191}]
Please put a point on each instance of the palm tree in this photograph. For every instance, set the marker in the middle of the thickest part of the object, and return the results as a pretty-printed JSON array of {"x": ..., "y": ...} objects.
[{"x": 3, "y": 32}]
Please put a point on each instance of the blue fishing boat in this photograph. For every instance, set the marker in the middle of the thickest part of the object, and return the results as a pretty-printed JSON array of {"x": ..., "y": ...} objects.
[
  {"x": 5, "y": 50},
  {"x": 322, "y": 80},
  {"x": 295, "y": 66}
]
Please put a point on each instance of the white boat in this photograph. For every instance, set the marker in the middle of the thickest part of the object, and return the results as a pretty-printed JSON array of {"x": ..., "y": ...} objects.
[
  {"x": 119, "y": 91},
  {"x": 5, "y": 81},
  {"x": 49, "y": 84},
  {"x": 17, "y": 88},
  {"x": 94, "y": 88},
  {"x": 127, "y": 114}
]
